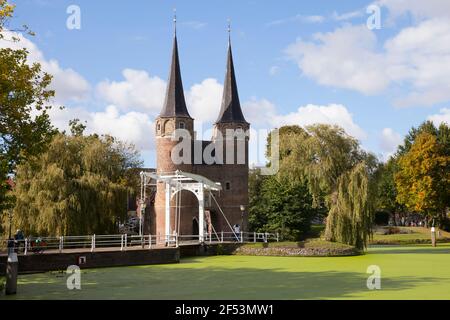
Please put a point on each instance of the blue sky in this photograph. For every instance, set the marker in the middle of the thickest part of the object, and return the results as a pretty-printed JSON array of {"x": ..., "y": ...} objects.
[{"x": 296, "y": 62}]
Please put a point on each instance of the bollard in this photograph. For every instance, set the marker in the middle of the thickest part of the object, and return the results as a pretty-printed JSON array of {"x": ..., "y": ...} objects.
[
  {"x": 433, "y": 236},
  {"x": 12, "y": 268}
]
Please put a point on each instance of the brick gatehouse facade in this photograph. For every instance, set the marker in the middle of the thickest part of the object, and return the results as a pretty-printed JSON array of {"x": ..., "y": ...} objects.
[{"x": 233, "y": 177}]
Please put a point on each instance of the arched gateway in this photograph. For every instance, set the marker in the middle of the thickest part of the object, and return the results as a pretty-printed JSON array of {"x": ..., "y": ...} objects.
[{"x": 175, "y": 183}]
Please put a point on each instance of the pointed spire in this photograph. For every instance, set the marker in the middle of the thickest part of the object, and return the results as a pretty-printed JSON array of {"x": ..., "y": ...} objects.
[
  {"x": 230, "y": 111},
  {"x": 175, "y": 103}
]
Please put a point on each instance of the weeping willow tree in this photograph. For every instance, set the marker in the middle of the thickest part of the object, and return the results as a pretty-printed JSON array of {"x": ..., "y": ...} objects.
[
  {"x": 339, "y": 175},
  {"x": 78, "y": 186},
  {"x": 352, "y": 209}
]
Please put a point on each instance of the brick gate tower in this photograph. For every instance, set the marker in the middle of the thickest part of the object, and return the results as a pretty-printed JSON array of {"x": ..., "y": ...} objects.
[{"x": 231, "y": 170}]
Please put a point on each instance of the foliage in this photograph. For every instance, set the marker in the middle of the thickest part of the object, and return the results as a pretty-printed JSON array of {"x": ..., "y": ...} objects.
[
  {"x": 78, "y": 186},
  {"x": 6, "y": 13},
  {"x": 339, "y": 176},
  {"x": 280, "y": 206},
  {"x": 25, "y": 127},
  {"x": 423, "y": 179},
  {"x": 386, "y": 189},
  {"x": 351, "y": 215},
  {"x": 426, "y": 127},
  {"x": 402, "y": 184}
]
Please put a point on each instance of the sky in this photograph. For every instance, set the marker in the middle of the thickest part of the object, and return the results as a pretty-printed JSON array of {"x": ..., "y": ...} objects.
[{"x": 296, "y": 62}]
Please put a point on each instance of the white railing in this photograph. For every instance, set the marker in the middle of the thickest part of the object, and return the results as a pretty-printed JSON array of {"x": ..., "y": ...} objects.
[{"x": 124, "y": 242}]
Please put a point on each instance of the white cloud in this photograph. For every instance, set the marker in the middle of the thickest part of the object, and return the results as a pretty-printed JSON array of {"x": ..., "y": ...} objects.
[
  {"x": 263, "y": 113},
  {"x": 347, "y": 15},
  {"x": 298, "y": 18},
  {"x": 259, "y": 112},
  {"x": 344, "y": 58},
  {"x": 417, "y": 59},
  {"x": 333, "y": 114},
  {"x": 204, "y": 99},
  {"x": 420, "y": 56},
  {"x": 138, "y": 91},
  {"x": 389, "y": 141},
  {"x": 132, "y": 127},
  {"x": 419, "y": 9},
  {"x": 68, "y": 84},
  {"x": 442, "y": 117}
]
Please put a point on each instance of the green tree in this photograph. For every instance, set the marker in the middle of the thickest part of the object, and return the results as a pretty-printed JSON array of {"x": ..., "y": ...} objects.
[
  {"x": 326, "y": 158},
  {"x": 351, "y": 214},
  {"x": 282, "y": 207},
  {"x": 25, "y": 127},
  {"x": 77, "y": 186},
  {"x": 387, "y": 190},
  {"x": 278, "y": 204}
]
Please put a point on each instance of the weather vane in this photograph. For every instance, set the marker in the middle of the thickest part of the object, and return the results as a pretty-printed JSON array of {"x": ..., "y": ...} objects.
[
  {"x": 229, "y": 29},
  {"x": 175, "y": 20}
]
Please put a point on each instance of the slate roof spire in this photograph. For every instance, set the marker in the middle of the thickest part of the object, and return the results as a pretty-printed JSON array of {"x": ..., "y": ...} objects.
[
  {"x": 230, "y": 111},
  {"x": 175, "y": 103}
]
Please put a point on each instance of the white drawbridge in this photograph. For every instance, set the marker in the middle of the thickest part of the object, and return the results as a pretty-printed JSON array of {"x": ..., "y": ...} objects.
[{"x": 174, "y": 184}]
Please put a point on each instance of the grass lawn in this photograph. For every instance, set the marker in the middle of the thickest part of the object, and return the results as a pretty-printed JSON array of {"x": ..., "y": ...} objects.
[
  {"x": 415, "y": 235},
  {"x": 408, "y": 272}
]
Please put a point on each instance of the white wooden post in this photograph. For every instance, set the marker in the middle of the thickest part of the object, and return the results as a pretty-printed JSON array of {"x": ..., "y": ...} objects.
[
  {"x": 26, "y": 247},
  {"x": 278, "y": 239},
  {"x": 254, "y": 237},
  {"x": 176, "y": 240},
  {"x": 221, "y": 236},
  {"x": 168, "y": 196},
  {"x": 242, "y": 237},
  {"x": 93, "y": 243},
  {"x": 126, "y": 241},
  {"x": 149, "y": 241},
  {"x": 201, "y": 213},
  {"x": 60, "y": 244}
]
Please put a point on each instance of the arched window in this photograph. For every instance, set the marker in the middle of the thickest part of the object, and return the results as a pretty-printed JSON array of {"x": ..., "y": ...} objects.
[{"x": 182, "y": 125}]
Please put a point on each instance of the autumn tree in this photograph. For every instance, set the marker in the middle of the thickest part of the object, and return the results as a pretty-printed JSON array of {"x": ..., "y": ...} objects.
[{"x": 423, "y": 179}]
